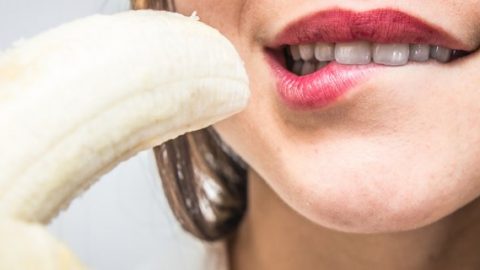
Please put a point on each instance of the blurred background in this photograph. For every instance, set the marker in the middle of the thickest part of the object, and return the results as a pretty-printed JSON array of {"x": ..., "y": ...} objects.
[{"x": 123, "y": 221}]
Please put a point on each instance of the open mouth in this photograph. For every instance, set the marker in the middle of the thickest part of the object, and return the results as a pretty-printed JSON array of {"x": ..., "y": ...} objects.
[
  {"x": 305, "y": 59},
  {"x": 317, "y": 59}
]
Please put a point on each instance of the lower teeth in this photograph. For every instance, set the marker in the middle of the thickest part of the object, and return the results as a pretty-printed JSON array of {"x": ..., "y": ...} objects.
[{"x": 302, "y": 68}]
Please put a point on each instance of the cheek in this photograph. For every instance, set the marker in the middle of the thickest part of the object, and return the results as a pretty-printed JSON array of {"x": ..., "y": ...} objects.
[
  {"x": 252, "y": 133},
  {"x": 403, "y": 156},
  {"x": 222, "y": 15}
]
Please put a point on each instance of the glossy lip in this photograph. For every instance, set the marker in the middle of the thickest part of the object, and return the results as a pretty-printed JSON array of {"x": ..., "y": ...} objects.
[
  {"x": 319, "y": 89},
  {"x": 379, "y": 25},
  {"x": 329, "y": 83}
]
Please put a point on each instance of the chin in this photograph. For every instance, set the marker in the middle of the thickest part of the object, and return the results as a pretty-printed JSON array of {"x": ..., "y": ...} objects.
[
  {"x": 371, "y": 215},
  {"x": 358, "y": 210},
  {"x": 362, "y": 193}
]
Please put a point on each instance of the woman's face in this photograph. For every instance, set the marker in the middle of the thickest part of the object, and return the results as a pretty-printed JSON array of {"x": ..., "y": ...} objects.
[{"x": 400, "y": 149}]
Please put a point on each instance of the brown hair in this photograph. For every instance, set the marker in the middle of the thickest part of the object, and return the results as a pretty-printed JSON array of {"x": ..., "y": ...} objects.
[
  {"x": 154, "y": 4},
  {"x": 203, "y": 179}
]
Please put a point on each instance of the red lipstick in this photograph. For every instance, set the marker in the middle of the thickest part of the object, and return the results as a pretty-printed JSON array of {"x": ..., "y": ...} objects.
[
  {"x": 380, "y": 25},
  {"x": 328, "y": 84}
]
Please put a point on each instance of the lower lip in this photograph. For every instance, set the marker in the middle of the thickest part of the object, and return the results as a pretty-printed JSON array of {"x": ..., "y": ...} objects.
[{"x": 322, "y": 88}]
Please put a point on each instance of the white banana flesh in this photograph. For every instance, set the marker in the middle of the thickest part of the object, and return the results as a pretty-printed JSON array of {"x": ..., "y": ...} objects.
[
  {"x": 77, "y": 100},
  {"x": 26, "y": 246}
]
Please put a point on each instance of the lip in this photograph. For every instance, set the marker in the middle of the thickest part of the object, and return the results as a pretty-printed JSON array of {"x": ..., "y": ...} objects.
[
  {"x": 319, "y": 89},
  {"x": 329, "y": 83},
  {"x": 379, "y": 25}
]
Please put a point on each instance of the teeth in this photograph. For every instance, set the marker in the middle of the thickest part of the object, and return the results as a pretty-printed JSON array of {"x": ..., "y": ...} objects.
[
  {"x": 297, "y": 67},
  {"x": 302, "y": 68},
  {"x": 307, "y": 68},
  {"x": 391, "y": 54},
  {"x": 440, "y": 53},
  {"x": 307, "y": 58},
  {"x": 320, "y": 65},
  {"x": 325, "y": 51},
  {"x": 295, "y": 52},
  {"x": 306, "y": 52},
  {"x": 419, "y": 52},
  {"x": 353, "y": 53}
]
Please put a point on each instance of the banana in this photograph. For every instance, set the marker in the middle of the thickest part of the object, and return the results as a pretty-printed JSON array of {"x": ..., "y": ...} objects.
[
  {"x": 27, "y": 246},
  {"x": 77, "y": 100}
]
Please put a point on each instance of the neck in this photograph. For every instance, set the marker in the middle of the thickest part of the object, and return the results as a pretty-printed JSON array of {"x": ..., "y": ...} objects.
[{"x": 273, "y": 236}]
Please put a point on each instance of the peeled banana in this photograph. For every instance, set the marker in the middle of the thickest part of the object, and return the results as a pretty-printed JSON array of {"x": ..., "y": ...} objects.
[{"x": 77, "y": 100}]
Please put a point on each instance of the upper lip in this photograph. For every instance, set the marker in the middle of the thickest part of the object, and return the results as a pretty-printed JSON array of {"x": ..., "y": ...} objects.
[{"x": 379, "y": 25}]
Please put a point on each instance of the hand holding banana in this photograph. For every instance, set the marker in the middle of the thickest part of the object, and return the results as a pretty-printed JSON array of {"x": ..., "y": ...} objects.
[{"x": 77, "y": 100}]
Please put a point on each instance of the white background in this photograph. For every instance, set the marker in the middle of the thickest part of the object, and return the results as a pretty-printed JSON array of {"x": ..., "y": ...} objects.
[{"x": 123, "y": 221}]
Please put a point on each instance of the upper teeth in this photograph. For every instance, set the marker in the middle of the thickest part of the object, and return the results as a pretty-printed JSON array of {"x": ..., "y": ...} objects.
[{"x": 362, "y": 52}]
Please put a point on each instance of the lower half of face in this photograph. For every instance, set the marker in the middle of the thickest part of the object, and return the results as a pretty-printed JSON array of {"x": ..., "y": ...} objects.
[{"x": 396, "y": 150}]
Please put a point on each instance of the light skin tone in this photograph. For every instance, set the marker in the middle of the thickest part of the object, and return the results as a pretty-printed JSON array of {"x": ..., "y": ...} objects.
[{"x": 384, "y": 179}]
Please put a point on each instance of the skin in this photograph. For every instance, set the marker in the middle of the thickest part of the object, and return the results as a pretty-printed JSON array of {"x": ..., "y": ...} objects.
[{"x": 386, "y": 178}]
